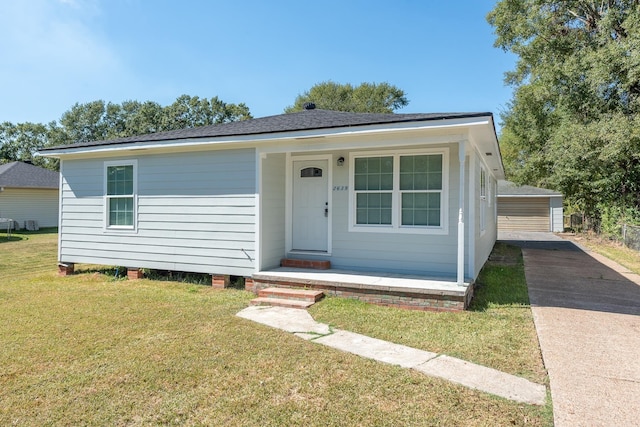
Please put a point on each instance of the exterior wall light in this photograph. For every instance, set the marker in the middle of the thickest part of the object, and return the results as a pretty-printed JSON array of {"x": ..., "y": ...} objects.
[{"x": 340, "y": 161}]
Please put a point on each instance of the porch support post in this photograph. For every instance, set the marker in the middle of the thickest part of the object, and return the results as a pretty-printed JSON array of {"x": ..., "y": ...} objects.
[{"x": 461, "y": 155}]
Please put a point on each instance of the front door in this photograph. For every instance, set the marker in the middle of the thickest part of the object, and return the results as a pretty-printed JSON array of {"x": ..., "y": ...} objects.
[{"x": 310, "y": 206}]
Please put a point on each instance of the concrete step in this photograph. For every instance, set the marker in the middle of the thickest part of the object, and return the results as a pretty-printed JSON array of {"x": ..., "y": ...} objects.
[
  {"x": 305, "y": 263},
  {"x": 292, "y": 294},
  {"x": 281, "y": 302}
]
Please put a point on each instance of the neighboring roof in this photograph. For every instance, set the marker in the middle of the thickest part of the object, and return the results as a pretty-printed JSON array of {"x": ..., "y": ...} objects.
[
  {"x": 508, "y": 188},
  {"x": 299, "y": 121},
  {"x": 24, "y": 175}
]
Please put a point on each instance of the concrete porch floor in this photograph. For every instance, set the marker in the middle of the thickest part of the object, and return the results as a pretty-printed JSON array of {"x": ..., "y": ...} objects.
[{"x": 408, "y": 291}]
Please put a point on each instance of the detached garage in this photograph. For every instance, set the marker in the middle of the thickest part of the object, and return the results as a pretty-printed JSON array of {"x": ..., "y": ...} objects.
[{"x": 526, "y": 208}]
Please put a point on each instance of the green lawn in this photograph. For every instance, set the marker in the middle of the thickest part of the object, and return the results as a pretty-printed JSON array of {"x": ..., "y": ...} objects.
[{"x": 92, "y": 349}]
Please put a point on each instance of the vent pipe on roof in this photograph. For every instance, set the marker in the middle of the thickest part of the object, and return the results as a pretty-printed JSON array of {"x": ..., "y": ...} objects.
[{"x": 309, "y": 106}]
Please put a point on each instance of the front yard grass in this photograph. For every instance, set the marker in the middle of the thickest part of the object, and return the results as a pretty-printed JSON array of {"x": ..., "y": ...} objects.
[{"x": 92, "y": 349}]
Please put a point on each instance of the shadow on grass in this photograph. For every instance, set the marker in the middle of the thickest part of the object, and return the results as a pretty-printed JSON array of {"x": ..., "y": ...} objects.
[
  {"x": 120, "y": 273},
  {"x": 5, "y": 239},
  {"x": 18, "y": 235},
  {"x": 501, "y": 282}
]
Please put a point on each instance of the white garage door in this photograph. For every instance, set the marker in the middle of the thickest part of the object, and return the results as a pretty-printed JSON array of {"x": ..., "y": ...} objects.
[{"x": 523, "y": 214}]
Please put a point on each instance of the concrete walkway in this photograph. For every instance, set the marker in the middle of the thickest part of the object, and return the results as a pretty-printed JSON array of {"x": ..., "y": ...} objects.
[
  {"x": 459, "y": 371},
  {"x": 586, "y": 310}
]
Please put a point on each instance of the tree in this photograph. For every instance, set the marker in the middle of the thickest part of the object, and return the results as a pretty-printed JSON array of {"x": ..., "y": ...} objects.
[
  {"x": 97, "y": 120},
  {"x": 19, "y": 142},
  {"x": 189, "y": 112},
  {"x": 573, "y": 122},
  {"x": 366, "y": 98}
]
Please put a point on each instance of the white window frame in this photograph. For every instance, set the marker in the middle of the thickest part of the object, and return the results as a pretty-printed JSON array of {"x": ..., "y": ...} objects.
[
  {"x": 396, "y": 202},
  {"x": 121, "y": 228}
]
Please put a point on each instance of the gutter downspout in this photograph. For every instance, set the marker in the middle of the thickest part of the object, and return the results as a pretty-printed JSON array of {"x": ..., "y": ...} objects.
[{"x": 461, "y": 155}]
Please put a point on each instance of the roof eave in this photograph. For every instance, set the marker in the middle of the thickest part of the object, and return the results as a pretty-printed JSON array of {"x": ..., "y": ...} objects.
[{"x": 451, "y": 123}]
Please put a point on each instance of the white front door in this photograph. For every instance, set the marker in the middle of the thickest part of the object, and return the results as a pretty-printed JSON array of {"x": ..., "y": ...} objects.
[{"x": 310, "y": 228}]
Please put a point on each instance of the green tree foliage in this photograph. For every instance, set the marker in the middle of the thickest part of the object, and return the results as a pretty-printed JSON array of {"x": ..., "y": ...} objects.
[
  {"x": 97, "y": 120},
  {"x": 366, "y": 98},
  {"x": 573, "y": 123},
  {"x": 18, "y": 142}
]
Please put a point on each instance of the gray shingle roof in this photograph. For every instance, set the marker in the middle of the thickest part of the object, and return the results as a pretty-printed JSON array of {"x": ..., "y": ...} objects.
[
  {"x": 23, "y": 175},
  {"x": 303, "y": 120},
  {"x": 508, "y": 188}
]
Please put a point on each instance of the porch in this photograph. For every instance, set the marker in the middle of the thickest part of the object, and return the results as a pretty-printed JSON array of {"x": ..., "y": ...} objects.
[{"x": 415, "y": 292}]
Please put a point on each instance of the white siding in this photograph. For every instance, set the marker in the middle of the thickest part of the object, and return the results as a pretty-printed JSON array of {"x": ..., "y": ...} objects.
[
  {"x": 196, "y": 212},
  {"x": 393, "y": 252},
  {"x": 24, "y": 204},
  {"x": 273, "y": 210},
  {"x": 557, "y": 214},
  {"x": 484, "y": 240}
]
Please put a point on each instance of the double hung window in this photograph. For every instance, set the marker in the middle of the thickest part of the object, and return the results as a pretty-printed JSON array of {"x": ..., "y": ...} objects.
[
  {"x": 120, "y": 195},
  {"x": 398, "y": 191}
]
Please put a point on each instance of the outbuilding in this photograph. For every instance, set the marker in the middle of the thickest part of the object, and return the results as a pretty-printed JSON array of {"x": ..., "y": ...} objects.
[
  {"x": 29, "y": 195},
  {"x": 527, "y": 208}
]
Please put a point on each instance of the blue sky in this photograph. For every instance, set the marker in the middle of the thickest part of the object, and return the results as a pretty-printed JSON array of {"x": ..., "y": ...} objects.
[{"x": 263, "y": 53}]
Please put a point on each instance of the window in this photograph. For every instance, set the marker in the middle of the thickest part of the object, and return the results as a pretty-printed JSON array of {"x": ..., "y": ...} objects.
[
  {"x": 311, "y": 173},
  {"x": 483, "y": 199},
  {"x": 120, "y": 192},
  {"x": 398, "y": 192},
  {"x": 420, "y": 189},
  {"x": 373, "y": 183}
]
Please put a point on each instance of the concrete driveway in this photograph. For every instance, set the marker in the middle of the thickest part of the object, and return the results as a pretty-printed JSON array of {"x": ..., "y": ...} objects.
[{"x": 586, "y": 310}]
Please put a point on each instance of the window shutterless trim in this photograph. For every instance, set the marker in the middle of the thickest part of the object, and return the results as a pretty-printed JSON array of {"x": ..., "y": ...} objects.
[
  {"x": 106, "y": 197},
  {"x": 396, "y": 223}
]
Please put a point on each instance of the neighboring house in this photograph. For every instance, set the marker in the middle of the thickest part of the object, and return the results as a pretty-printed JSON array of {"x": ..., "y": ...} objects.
[
  {"x": 29, "y": 193},
  {"x": 526, "y": 208},
  {"x": 389, "y": 194}
]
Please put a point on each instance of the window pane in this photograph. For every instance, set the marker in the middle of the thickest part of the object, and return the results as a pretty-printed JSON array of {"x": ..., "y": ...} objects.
[
  {"x": 420, "y": 217},
  {"x": 121, "y": 211},
  {"x": 386, "y": 200},
  {"x": 434, "y": 181},
  {"x": 386, "y": 164},
  {"x": 406, "y": 164},
  {"x": 420, "y": 181},
  {"x": 386, "y": 181},
  {"x": 420, "y": 200},
  {"x": 310, "y": 173},
  {"x": 373, "y": 173},
  {"x": 435, "y": 163},
  {"x": 422, "y": 209},
  {"x": 385, "y": 216},
  {"x": 374, "y": 165},
  {"x": 373, "y": 182},
  {"x": 421, "y": 164},
  {"x": 406, "y": 181},
  {"x": 374, "y": 200},
  {"x": 120, "y": 180},
  {"x": 361, "y": 216},
  {"x": 407, "y": 216},
  {"x": 373, "y": 208},
  {"x": 433, "y": 218},
  {"x": 407, "y": 200},
  {"x": 433, "y": 200},
  {"x": 361, "y": 200}
]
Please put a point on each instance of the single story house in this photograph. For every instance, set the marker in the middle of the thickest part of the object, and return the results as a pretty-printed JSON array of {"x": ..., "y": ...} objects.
[
  {"x": 527, "y": 208},
  {"x": 29, "y": 193},
  {"x": 395, "y": 195}
]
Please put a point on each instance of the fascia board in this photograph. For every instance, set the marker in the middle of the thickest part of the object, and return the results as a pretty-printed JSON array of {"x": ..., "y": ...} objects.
[{"x": 266, "y": 137}]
